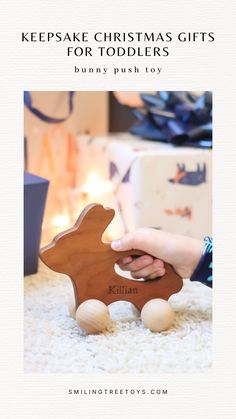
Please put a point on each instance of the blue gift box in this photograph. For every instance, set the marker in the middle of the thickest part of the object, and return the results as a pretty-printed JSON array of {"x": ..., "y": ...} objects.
[{"x": 35, "y": 194}]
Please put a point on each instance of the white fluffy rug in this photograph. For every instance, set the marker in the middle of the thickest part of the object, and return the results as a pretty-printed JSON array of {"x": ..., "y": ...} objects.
[{"x": 55, "y": 344}]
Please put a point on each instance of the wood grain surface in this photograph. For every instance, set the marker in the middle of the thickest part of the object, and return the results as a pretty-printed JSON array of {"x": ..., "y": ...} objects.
[{"x": 80, "y": 253}]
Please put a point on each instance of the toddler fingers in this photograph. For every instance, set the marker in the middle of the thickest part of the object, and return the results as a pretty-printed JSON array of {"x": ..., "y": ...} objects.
[
  {"x": 124, "y": 261},
  {"x": 150, "y": 272},
  {"x": 137, "y": 263},
  {"x": 155, "y": 275}
]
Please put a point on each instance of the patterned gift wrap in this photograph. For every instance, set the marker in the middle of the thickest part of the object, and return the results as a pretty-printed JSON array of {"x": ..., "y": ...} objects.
[{"x": 152, "y": 184}]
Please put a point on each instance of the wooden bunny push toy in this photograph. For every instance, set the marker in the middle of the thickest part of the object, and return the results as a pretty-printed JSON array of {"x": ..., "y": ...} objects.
[{"x": 80, "y": 253}]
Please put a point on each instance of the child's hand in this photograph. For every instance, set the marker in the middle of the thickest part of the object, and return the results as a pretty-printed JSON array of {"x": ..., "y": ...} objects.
[
  {"x": 146, "y": 266},
  {"x": 182, "y": 252}
]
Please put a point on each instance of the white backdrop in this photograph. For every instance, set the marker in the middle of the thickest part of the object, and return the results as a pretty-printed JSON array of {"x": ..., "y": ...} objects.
[{"x": 189, "y": 67}]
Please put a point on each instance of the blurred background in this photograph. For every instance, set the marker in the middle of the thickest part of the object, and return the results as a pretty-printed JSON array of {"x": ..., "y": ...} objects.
[{"x": 146, "y": 154}]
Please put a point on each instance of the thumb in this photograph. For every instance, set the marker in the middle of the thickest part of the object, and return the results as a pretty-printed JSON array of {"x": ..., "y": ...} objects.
[
  {"x": 127, "y": 242},
  {"x": 159, "y": 244},
  {"x": 140, "y": 239}
]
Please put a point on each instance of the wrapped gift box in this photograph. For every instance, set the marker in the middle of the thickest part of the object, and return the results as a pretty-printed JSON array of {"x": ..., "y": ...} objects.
[
  {"x": 153, "y": 184},
  {"x": 35, "y": 193}
]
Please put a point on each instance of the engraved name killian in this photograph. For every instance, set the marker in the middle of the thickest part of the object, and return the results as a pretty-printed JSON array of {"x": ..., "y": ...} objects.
[{"x": 122, "y": 289}]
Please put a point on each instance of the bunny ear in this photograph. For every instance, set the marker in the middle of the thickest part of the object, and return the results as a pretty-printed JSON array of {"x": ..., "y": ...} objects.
[
  {"x": 183, "y": 167},
  {"x": 198, "y": 167},
  {"x": 178, "y": 166}
]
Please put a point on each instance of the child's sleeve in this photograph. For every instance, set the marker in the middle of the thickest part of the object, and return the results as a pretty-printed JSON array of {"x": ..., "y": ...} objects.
[{"x": 203, "y": 271}]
